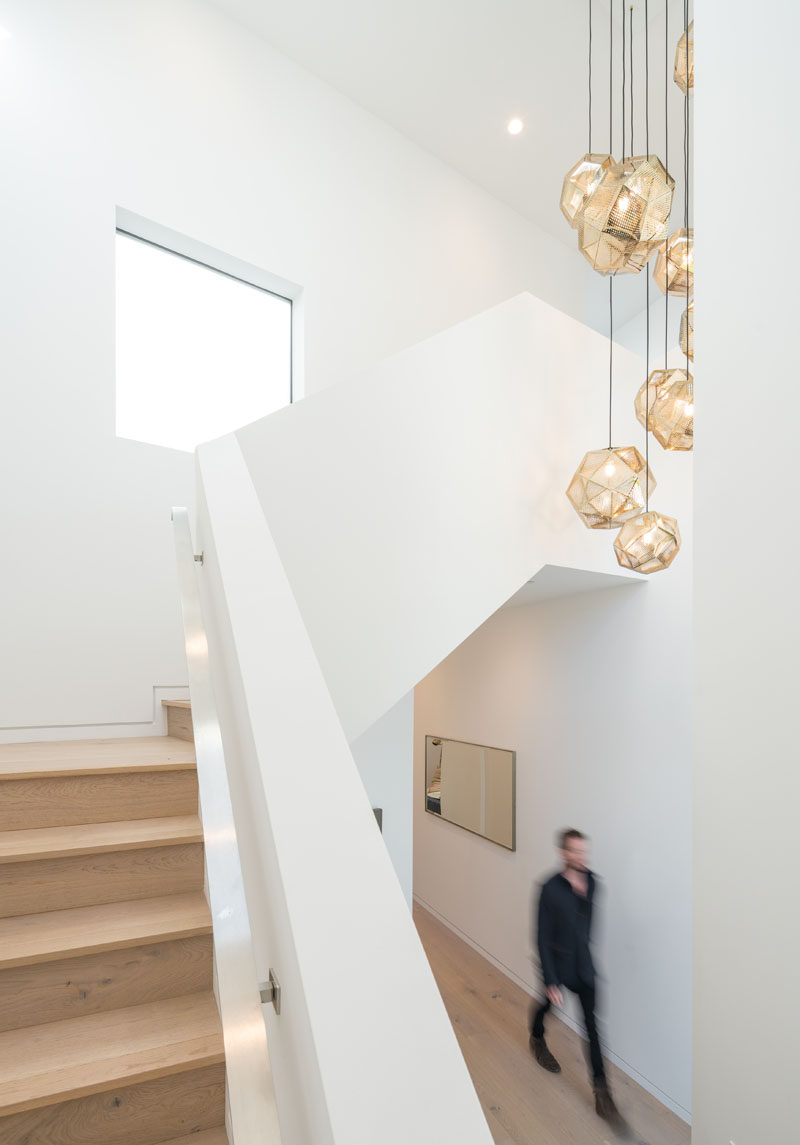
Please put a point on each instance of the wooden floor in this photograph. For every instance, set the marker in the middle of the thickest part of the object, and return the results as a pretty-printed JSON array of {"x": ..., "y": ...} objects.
[{"x": 525, "y": 1105}]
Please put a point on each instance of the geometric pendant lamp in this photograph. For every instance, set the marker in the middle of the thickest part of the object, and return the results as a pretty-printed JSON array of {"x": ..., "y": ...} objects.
[
  {"x": 672, "y": 413},
  {"x": 687, "y": 331},
  {"x": 645, "y": 399},
  {"x": 625, "y": 219},
  {"x": 684, "y": 61},
  {"x": 674, "y": 271},
  {"x": 649, "y": 543},
  {"x": 580, "y": 183},
  {"x": 608, "y": 487}
]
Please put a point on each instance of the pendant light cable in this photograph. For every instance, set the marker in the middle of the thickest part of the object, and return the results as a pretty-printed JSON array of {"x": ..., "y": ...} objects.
[
  {"x": 590, "y": 78},
  {"x": 622, "y": 157},
  {"x": 686, "y": 168},
  {"x": 646, "y": 78},
  {"x": 630, "y": 45},
  {"x": 610, "y": 351},
  {"x": 611, "y": 79},
  {"x": 610, "y": 151},
  {"x": 647, "y": 276},
  {"x": 666, "y": 164}
]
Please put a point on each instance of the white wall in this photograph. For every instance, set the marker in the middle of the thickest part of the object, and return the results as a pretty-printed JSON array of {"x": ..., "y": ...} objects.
[
  {"x": 410, "y": 503},
  {"x": 181, "y": 116},
  {"x": 362, "y": 1024},
  {"x": 382, "y": 755},
  {"x": 747, "y": 631},
  {"x": 593, "y": 693}
]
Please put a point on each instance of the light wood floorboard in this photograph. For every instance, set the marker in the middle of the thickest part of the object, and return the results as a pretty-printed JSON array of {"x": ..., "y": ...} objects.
[
  {"x": 95, "y": 756},
  {"x": 525, "y": 1105}
]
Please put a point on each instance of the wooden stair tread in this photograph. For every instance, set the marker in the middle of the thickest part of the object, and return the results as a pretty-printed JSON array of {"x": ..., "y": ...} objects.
[
  {"x": 209, "y": 1137},
  {"x": 96, "y": 838},
  {"x": 95, "y": 757},
  {"x": 177, "y": 704},
  {"x": 34, "y": 938},
  {"x": 60, "y": 1061}
]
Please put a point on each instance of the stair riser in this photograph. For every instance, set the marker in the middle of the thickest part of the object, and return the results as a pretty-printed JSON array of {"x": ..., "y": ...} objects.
[
  {"x": 143, "y": 1114},
  {"x": 179, "y": 723},
  {"x": 74, "y": 987},
  {"x": 59, "y": 801},
  {"x": 86, "y": 880}
]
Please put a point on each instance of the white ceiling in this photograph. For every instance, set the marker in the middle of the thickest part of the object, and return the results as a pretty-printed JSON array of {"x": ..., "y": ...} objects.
[{"x": 450, "y": 73}]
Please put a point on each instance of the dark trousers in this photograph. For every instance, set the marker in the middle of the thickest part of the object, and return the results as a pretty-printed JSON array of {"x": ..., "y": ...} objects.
[{"x": 588, "y": 1001}]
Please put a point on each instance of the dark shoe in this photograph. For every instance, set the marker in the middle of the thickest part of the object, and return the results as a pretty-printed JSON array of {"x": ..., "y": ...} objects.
[
  {"x": 605, "y": 1108},
  {"x": 543, "y": 1055}
]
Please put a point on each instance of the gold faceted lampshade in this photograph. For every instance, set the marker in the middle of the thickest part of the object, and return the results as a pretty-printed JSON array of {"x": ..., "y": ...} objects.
[
  {"x": 580, "y": 182},
  {"x": 609, "y": 487},
  {"x": 674, "y": 272},
  {"x": 672, "y": 415},
  {"x": 622, "y": 224},
  {"x": 647, "y": 543},
  {"x": 655, "y": 383},
  {"x": 687, "y": 331},
  {"x": 684, "y": 61}
]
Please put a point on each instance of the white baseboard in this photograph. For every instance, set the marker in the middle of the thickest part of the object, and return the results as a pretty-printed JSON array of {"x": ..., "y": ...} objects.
[
  {"x": 48, "y": 733},
  {"x": 535, "y": 992}
]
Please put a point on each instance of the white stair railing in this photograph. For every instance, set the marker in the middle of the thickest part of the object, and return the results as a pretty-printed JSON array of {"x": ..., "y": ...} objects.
[{"x": 252, "y": 1112}]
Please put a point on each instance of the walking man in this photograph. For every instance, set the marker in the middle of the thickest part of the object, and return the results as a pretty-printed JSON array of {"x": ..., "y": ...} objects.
[{"x": 564, "y": 935}]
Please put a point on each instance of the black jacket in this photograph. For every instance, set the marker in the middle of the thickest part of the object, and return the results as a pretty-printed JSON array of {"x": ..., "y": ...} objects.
[{"x": 564, "y": 933}]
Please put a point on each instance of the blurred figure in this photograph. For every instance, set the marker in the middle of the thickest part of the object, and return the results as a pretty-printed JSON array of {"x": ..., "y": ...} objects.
[{"x": 564, "y": 937}]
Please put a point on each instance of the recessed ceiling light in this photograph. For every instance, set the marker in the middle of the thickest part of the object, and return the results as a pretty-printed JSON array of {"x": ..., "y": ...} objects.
[{"x": 514, "y": 126}]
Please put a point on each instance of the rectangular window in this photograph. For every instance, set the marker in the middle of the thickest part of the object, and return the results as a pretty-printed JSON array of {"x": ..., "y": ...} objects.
[{"x": 200, "y": 352}]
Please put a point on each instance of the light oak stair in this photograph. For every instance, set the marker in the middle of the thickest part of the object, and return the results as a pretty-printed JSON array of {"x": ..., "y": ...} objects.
[{"x": 109, "y": 1031}]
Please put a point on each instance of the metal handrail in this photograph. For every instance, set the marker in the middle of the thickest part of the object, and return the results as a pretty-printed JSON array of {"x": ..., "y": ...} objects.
[{"x": 253, "y": 1118}]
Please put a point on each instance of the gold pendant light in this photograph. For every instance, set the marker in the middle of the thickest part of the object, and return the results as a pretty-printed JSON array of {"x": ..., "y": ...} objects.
[
  {"x": 648, "y": 543},
  {"x": 620, "y": 210},
  {"x": 665, "y": 405},
  {"x": 580, "y": 183},
  {"x": 623, "y": 223},
  {"x": 684, "y": 61},
  {"x": 674, "y": 270},
  {"x": 609, "y": 487},
  {"x": 621, "y": 213},
  {"x": 687, "y": 331},
  {"x": 645, "y": 399},
  {"x": 672, "y": 416}
]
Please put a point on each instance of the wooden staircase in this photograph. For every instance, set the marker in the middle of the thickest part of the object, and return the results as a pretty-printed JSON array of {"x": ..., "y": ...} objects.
[{"x": 109, "y": 1031}]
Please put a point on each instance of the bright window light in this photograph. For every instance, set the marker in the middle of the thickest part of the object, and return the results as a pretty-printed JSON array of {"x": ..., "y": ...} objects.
[{"x": 199, "y": 353}]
